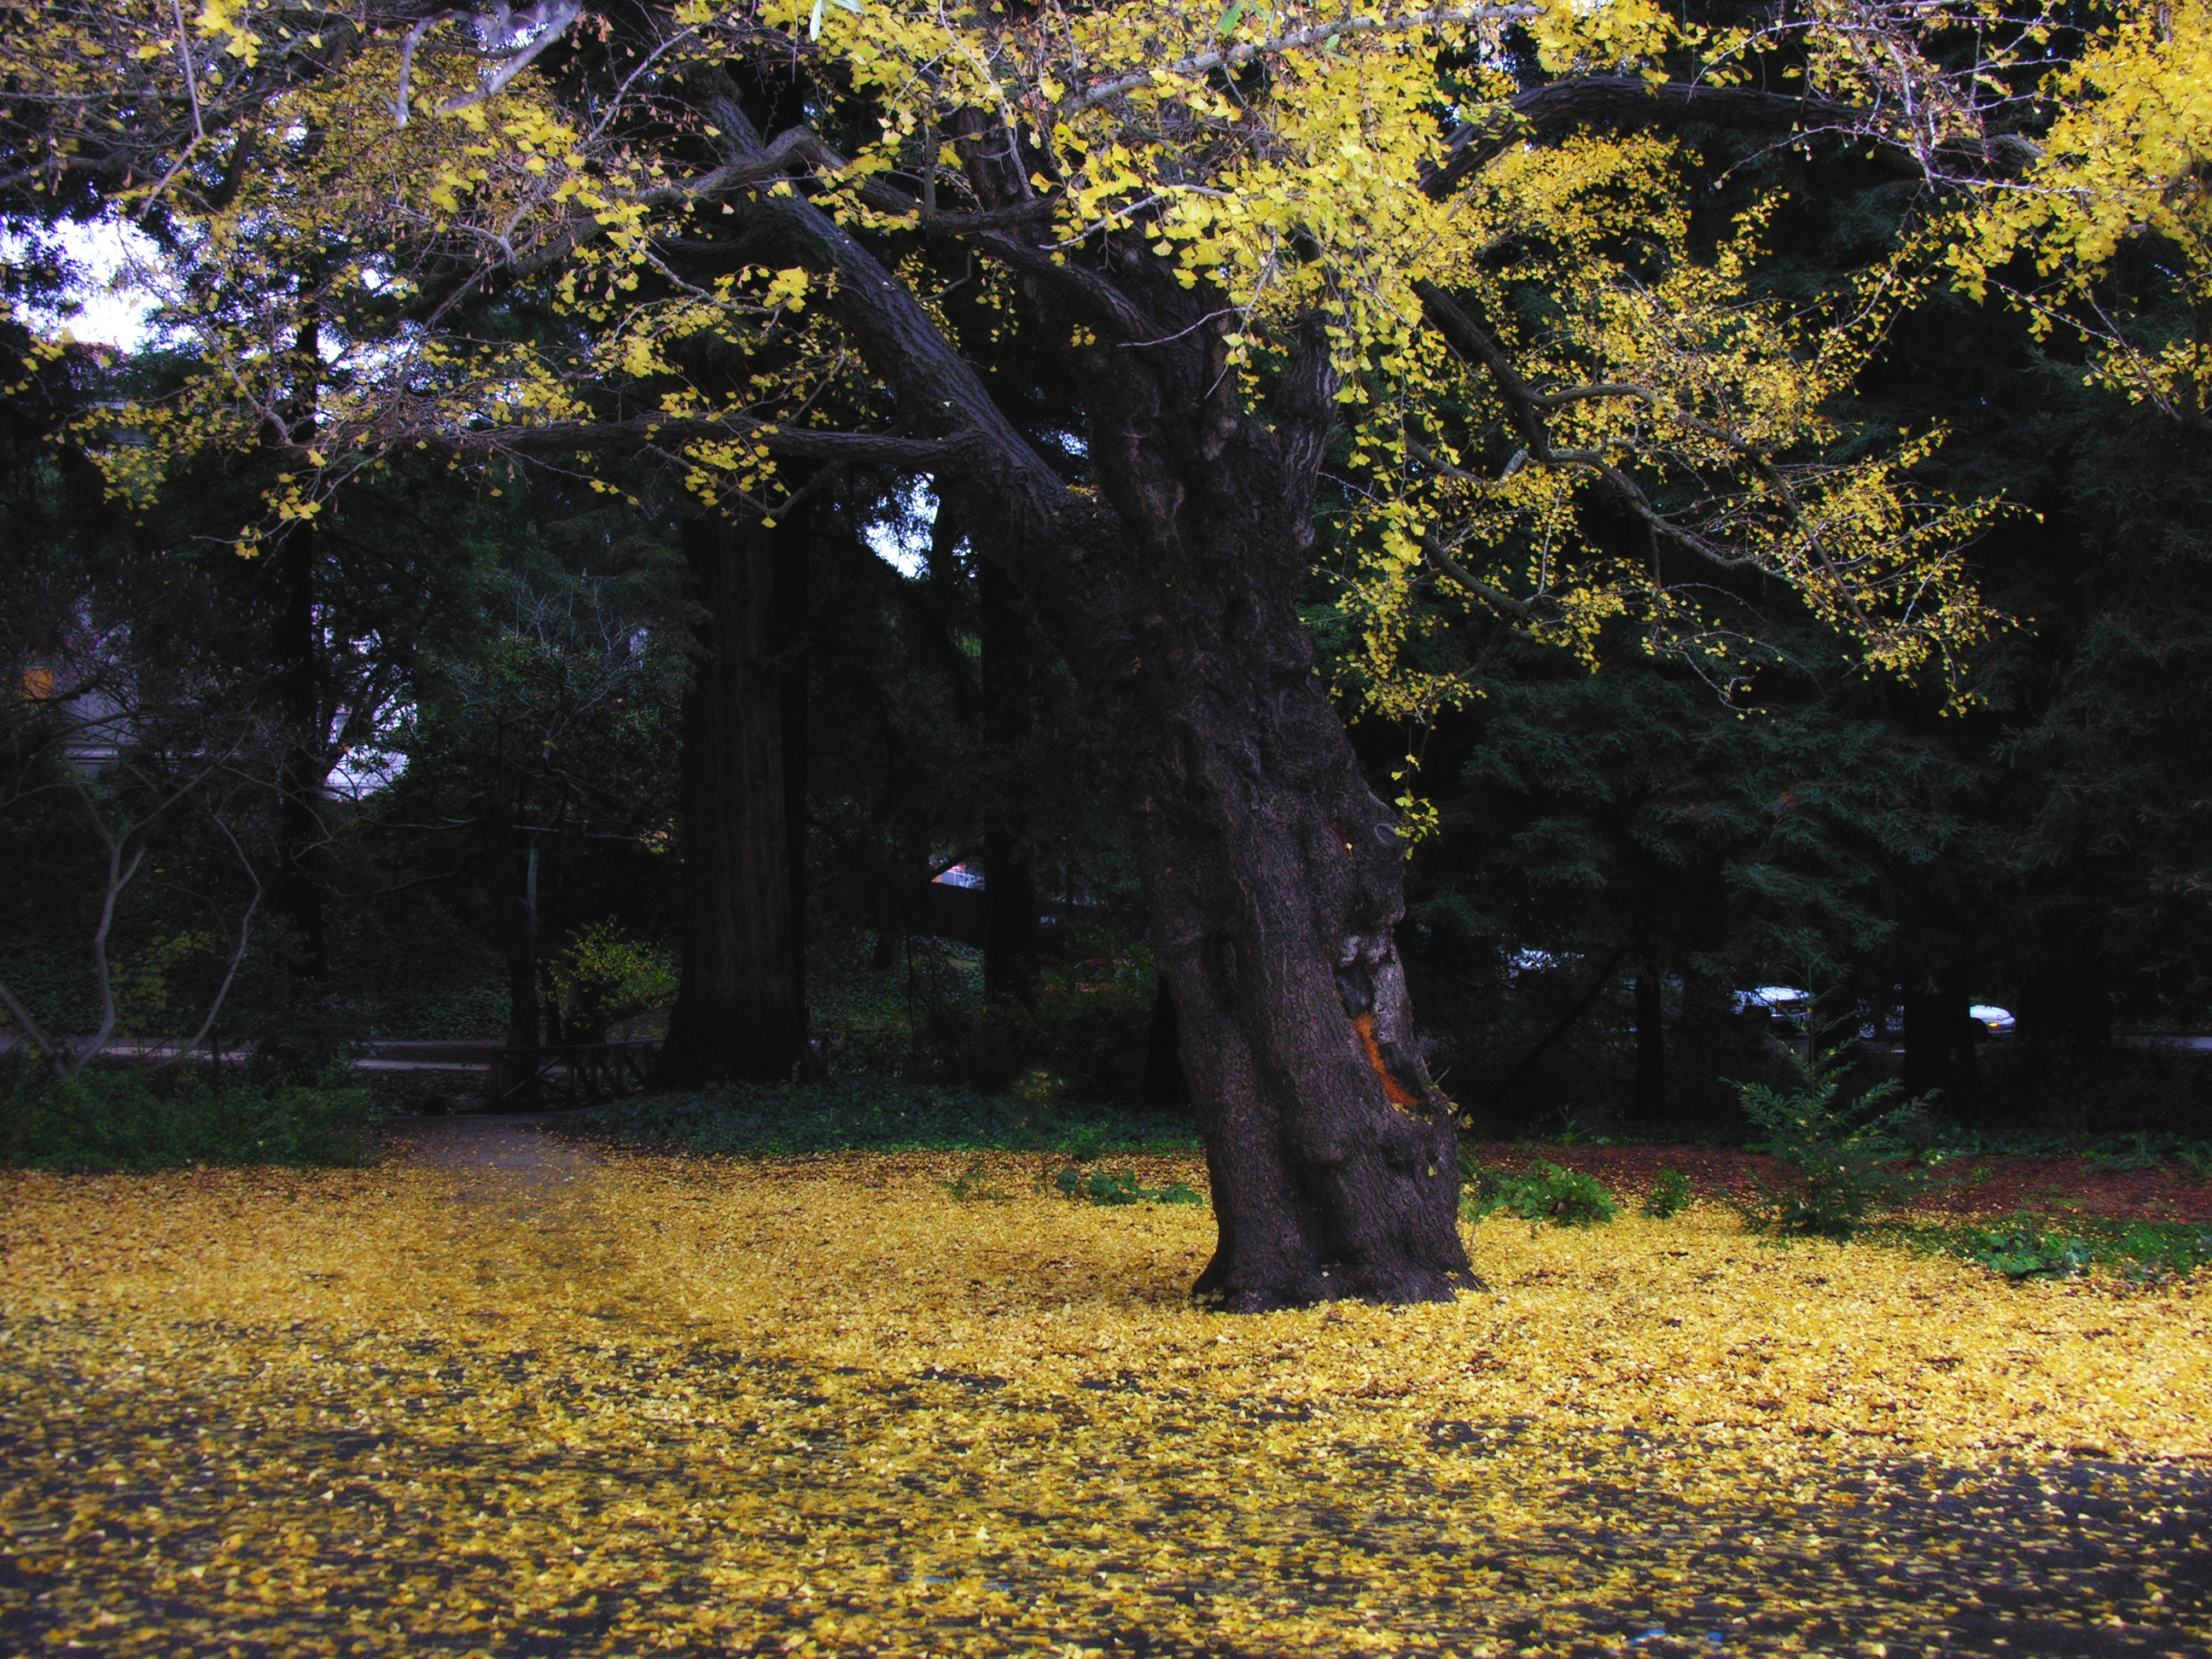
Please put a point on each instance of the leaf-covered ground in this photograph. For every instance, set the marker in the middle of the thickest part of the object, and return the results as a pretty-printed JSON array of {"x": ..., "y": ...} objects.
[{"x": 517, "y": 1400}]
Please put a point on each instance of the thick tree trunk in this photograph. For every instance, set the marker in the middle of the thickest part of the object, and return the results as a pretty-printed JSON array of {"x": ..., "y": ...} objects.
[
  {"x": 2066, "y": 1004},
  {"x": 740, "y": 1012},
  {"x": 794, "y": 559},
  {"x": 1274, "y": 873},
  {"x": 1010, "y": 892}
]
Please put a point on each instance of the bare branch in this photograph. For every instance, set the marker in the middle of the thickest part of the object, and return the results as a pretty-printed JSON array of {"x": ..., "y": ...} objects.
[
  {"x": 646, "y": 431},
  {"x": 238, "y": 953}
]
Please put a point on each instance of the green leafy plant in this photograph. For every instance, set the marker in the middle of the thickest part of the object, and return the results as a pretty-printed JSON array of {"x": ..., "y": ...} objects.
[
  {"x": 2172, "y": 1247},
  {"x": 1566, "y": 1198},
  {"x": 1668, "y": 1197},
  {"x": 2136, "y": 1153},
  {"x": 1113, "y": 1187},
  {"x": 2027, "y": 1246},
  {"x": 2019, "y": 1248},
  {"x": 1846, "y": 1161},
  {"x": 972, "y": 1185},
  {"x": 1086, "y": 1141}
]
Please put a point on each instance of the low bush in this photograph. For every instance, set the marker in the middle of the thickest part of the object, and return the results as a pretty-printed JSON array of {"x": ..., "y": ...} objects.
[
  {"x": 1668, "y": 1197},
  {"x": 1566, "y": 1198},
  {"x": 2021, "y": 1248},
  {"x": 927, "y": 1020},
  {"x": 602, "y": 975},
  {"x": 973, "y": 1185},
  {"x": 1846, "y": 1160},
  {"x": 136, "y": 1119},
  {"x": 2158, "y": 1089}
]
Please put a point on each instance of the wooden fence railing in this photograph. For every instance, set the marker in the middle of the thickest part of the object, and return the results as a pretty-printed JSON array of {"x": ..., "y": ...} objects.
[{"x": 576, "y": 1074}]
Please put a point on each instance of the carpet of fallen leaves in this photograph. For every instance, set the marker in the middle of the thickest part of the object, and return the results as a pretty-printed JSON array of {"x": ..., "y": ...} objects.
[{"x": 554, "y": 1403}]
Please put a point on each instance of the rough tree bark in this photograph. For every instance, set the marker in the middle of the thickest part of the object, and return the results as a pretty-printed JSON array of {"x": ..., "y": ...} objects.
[
  {"x": 793, "y": 570},
  {"x": 302, "y": 776},
  {"x": 740, "y": 1011},
  {"x": 1274, "y": 874}
]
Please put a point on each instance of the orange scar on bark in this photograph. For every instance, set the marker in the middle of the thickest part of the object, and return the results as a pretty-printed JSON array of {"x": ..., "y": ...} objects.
[{"x": 1364, "y": 1024}]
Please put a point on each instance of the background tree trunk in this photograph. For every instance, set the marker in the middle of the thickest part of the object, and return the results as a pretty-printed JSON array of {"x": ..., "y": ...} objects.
[
  {"x": 514, "y": 914},
  {"x": 793, "y": 560},
  {"x": 1009, "y": 890},
  {"x": 740, "y": 1012},
  {"x": 1939, "y": 1039},
  {"x": 1647, "y": 1100},
  {"x": 302, "y": 775}
]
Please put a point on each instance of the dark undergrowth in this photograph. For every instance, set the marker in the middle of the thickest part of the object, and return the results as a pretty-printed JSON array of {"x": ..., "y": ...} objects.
[
  {"x": 136, "y": 1118},
  {"x": 881, "y": 1116},
  {"x": 2031, "y": 1247}
]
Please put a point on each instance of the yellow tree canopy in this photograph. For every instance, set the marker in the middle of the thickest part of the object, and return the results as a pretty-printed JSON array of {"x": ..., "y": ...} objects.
[
  {"x": 349, "y": 184},
  {"x": 2126, "y": 164}
]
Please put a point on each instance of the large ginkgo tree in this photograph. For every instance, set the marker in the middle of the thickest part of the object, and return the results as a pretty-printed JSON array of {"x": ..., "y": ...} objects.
[{"x": 1128, "y": 284}]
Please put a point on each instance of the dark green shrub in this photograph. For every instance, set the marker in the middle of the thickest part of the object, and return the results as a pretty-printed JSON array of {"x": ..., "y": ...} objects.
[
  {"x": 1085, "y": 1141},
  {"x": 1846, "y": 1161},
  {"x": 2170, "y": 1246},
  {"x": 1566, "y": 1198},
  {"x": 135, "y": 1119},
  {"x": 1668, "y": 1197}
]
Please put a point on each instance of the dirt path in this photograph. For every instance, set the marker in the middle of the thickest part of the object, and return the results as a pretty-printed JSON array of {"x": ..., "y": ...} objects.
[{"x": 513, "y": 1145}]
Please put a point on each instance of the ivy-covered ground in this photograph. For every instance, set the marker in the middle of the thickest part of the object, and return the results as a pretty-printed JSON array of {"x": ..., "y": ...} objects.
[{"x": 508, "y": 1396}]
